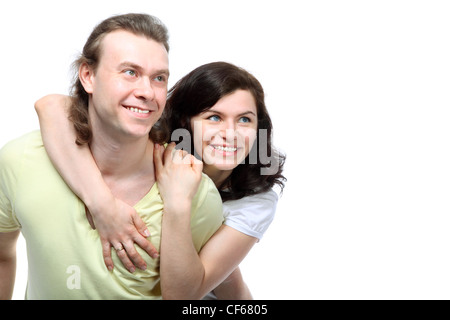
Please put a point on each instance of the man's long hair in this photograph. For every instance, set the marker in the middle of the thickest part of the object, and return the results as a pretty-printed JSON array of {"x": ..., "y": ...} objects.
[{"x": 138, "y": 24}]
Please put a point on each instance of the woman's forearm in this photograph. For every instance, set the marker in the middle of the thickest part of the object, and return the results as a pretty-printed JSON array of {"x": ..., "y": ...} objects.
[
  {"x": 182, "y": 272},
  {"x": 186, "y": 274},
  {"x": 233, "y": 288},
  {"x": 75, "y": 163}
]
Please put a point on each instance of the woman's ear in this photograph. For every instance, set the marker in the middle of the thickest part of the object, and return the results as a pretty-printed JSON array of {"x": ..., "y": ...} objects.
[{"x": 86, "y": 75}]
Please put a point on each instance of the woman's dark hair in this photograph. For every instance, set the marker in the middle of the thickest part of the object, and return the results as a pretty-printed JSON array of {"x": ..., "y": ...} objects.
[{"x": 200, "y": 90}]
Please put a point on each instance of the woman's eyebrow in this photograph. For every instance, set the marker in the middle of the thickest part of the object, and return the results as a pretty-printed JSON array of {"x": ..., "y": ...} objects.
[
  {"x": 246, "y": 113},
  {"x": 240, "y": 114}
]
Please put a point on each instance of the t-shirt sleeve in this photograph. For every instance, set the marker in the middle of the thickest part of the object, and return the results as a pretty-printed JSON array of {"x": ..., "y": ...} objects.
[
  {"x": 10, "y": 156},
  {"x": 8, "y": 223},
  {"x": 251, "y": 215},
  {"x": 206, "y": 213}
]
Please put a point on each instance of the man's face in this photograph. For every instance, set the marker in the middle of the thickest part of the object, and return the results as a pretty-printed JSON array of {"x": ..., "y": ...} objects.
[{"x": 129, "y": 88}]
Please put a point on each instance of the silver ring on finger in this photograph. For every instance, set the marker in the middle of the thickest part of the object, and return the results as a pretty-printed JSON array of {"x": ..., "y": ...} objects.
[{"x": 120, "y": 248}]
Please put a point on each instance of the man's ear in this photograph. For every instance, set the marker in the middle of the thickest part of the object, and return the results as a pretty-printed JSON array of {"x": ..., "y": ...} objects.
[{"x": 86, "y": 75}]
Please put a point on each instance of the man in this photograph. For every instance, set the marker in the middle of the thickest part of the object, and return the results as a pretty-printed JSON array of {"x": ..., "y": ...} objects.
[{"x": 118, "y": 97}]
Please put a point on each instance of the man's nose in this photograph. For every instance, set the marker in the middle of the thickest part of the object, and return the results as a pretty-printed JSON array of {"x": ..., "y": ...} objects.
[{"x": 144, "y": 90}]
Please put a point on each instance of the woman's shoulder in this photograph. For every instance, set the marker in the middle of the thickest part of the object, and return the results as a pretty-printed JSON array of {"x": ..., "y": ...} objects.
[
  {"x": 252, "y": 214},
  {"x": 263, "y": 199}
]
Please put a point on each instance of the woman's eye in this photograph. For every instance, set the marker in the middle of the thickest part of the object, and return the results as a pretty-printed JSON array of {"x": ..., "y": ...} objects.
[
  {"x": 214, "y": 118},
  {"x": 244, "y": 119}
]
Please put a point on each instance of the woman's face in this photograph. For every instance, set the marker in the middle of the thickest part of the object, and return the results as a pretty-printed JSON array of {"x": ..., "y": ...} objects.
[{"x": 225, "y": 133}]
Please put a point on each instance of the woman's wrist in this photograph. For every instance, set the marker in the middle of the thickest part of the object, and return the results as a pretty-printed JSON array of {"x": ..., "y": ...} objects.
[
  {"x": 178, "y": 207},
  {"x": 94, "y": 201}
]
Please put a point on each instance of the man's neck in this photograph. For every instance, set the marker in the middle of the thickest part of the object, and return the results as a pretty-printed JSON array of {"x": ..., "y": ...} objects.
[
  {"x": 120, "y": 158},
  {"x": 126, "y": 167}
]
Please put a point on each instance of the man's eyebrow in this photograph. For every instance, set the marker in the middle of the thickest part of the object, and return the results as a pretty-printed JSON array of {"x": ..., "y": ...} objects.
[
  {"x": 129, "y": 64},
  {"x": 163, "y": 71}
]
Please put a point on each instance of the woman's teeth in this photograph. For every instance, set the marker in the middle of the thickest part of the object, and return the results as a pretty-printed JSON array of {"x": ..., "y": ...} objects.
[{"x": 226, "y": 149}]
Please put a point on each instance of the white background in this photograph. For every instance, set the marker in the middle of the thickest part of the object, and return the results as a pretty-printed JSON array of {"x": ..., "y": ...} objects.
[{"x": 360, "y": 100}]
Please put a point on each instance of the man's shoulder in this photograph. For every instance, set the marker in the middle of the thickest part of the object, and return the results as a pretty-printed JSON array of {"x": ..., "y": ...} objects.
[
  {"x": 207, "y": 199},
  {"x": 33, "y": 137},
  {"x": 207, "y": 189},
  {"x": 12, "y": 158},
  {"x": 206, "y": 213},
  {"x": 13, "y": 150}
]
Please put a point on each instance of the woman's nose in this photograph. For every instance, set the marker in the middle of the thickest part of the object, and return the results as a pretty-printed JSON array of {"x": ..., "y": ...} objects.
[{"x": 228, "y": 131}]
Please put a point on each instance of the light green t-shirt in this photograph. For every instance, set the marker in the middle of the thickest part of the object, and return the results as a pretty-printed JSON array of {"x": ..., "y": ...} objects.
[{"x": 65, "y": 258}]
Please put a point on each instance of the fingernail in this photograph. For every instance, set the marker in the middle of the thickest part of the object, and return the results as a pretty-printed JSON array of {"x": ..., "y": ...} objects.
[
  {"x": 143, "y": 267},
  {"x": 132, "y": 270},
  {"x": 147, "y": 233},
  {"x": 155, "y": 256},
  {"x": 110, "y": 268}
]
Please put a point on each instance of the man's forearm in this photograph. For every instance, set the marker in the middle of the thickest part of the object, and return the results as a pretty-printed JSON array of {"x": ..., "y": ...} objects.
[
  {"x": 7, "y": 278},
  {"x": 7, "y": 263}
]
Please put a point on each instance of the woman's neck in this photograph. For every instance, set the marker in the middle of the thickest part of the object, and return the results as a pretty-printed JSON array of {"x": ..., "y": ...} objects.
[{"x": 217, "y": 176}]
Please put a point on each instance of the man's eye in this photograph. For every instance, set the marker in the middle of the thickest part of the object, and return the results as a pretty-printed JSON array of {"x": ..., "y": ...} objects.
[
  {"x": 131, "y": 73},
  {"x": 160, "y": 78}
]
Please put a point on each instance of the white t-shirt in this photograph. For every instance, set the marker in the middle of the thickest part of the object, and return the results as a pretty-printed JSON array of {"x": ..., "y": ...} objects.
[{"x": 251, "y": 215}]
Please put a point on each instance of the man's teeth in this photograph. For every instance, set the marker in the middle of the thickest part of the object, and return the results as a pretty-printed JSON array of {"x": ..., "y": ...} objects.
[
  {"x": 138, "y": 110},
  {"x": 226, "y": 149}
]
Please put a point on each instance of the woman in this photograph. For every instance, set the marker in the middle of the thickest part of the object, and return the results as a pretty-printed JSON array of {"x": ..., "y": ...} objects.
[{"x": 219, "y": 111}]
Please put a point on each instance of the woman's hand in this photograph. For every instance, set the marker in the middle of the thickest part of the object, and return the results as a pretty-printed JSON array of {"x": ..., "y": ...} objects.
[
  {"x": 119, "y": 226},
  {"x": 178, "y": 174}
]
